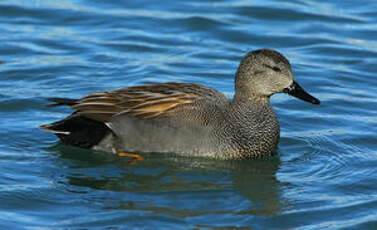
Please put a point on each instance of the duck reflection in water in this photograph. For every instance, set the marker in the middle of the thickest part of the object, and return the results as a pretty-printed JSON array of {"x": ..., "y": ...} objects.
[{"x": 175, "y": 186}]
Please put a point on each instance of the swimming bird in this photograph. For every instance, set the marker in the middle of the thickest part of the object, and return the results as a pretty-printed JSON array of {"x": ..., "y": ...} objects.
[{"x": 185, "y": 118}]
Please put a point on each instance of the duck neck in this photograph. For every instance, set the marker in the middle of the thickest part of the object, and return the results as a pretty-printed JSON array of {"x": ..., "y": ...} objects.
[
  {"x": 251, "y": 105},
  {"x": 248, "y": 97}
]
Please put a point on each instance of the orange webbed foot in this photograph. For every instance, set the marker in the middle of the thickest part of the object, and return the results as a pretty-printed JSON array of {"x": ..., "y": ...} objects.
[{"x": 135, "y": 157}]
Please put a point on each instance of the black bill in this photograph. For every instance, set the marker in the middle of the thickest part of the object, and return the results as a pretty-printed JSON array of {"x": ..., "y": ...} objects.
[{"x": 295, "y": 90}]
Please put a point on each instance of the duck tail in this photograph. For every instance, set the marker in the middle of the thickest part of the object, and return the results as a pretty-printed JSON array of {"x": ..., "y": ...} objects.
[
  {"x": 57, "y": 101},
  {"x": 78, "y": 131}
]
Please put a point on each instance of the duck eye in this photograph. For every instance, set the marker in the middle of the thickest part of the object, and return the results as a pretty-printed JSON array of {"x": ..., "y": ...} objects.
[{"x": 276, "y": 69}]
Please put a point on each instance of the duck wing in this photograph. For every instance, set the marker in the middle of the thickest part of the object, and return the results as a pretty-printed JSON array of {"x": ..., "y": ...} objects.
[{"x": 144, "y": 102}]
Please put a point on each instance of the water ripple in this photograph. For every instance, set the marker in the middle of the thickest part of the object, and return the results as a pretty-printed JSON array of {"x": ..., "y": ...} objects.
[{"x": 322, "y": 176}]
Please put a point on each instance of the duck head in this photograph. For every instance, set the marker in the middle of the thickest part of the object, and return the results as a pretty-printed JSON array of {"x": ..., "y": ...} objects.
[{"x": 265, "y": 72}]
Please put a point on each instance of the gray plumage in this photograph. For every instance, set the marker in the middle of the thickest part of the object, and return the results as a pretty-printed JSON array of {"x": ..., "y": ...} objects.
[{"x": 186, "y": 119}]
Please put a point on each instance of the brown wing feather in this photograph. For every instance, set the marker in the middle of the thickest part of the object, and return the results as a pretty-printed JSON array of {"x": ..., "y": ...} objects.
[{"x": 146, "y": 102}]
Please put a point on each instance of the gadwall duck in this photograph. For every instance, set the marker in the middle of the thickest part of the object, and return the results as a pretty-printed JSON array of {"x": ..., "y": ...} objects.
[{"x": 184, "y": 118}]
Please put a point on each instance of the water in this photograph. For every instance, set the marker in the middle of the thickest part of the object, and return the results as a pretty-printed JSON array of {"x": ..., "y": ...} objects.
[{"x": 324, "y": 175}]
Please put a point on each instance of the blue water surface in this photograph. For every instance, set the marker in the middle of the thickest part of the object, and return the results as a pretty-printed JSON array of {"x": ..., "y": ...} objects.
[{"x": 323, "y": 177}]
